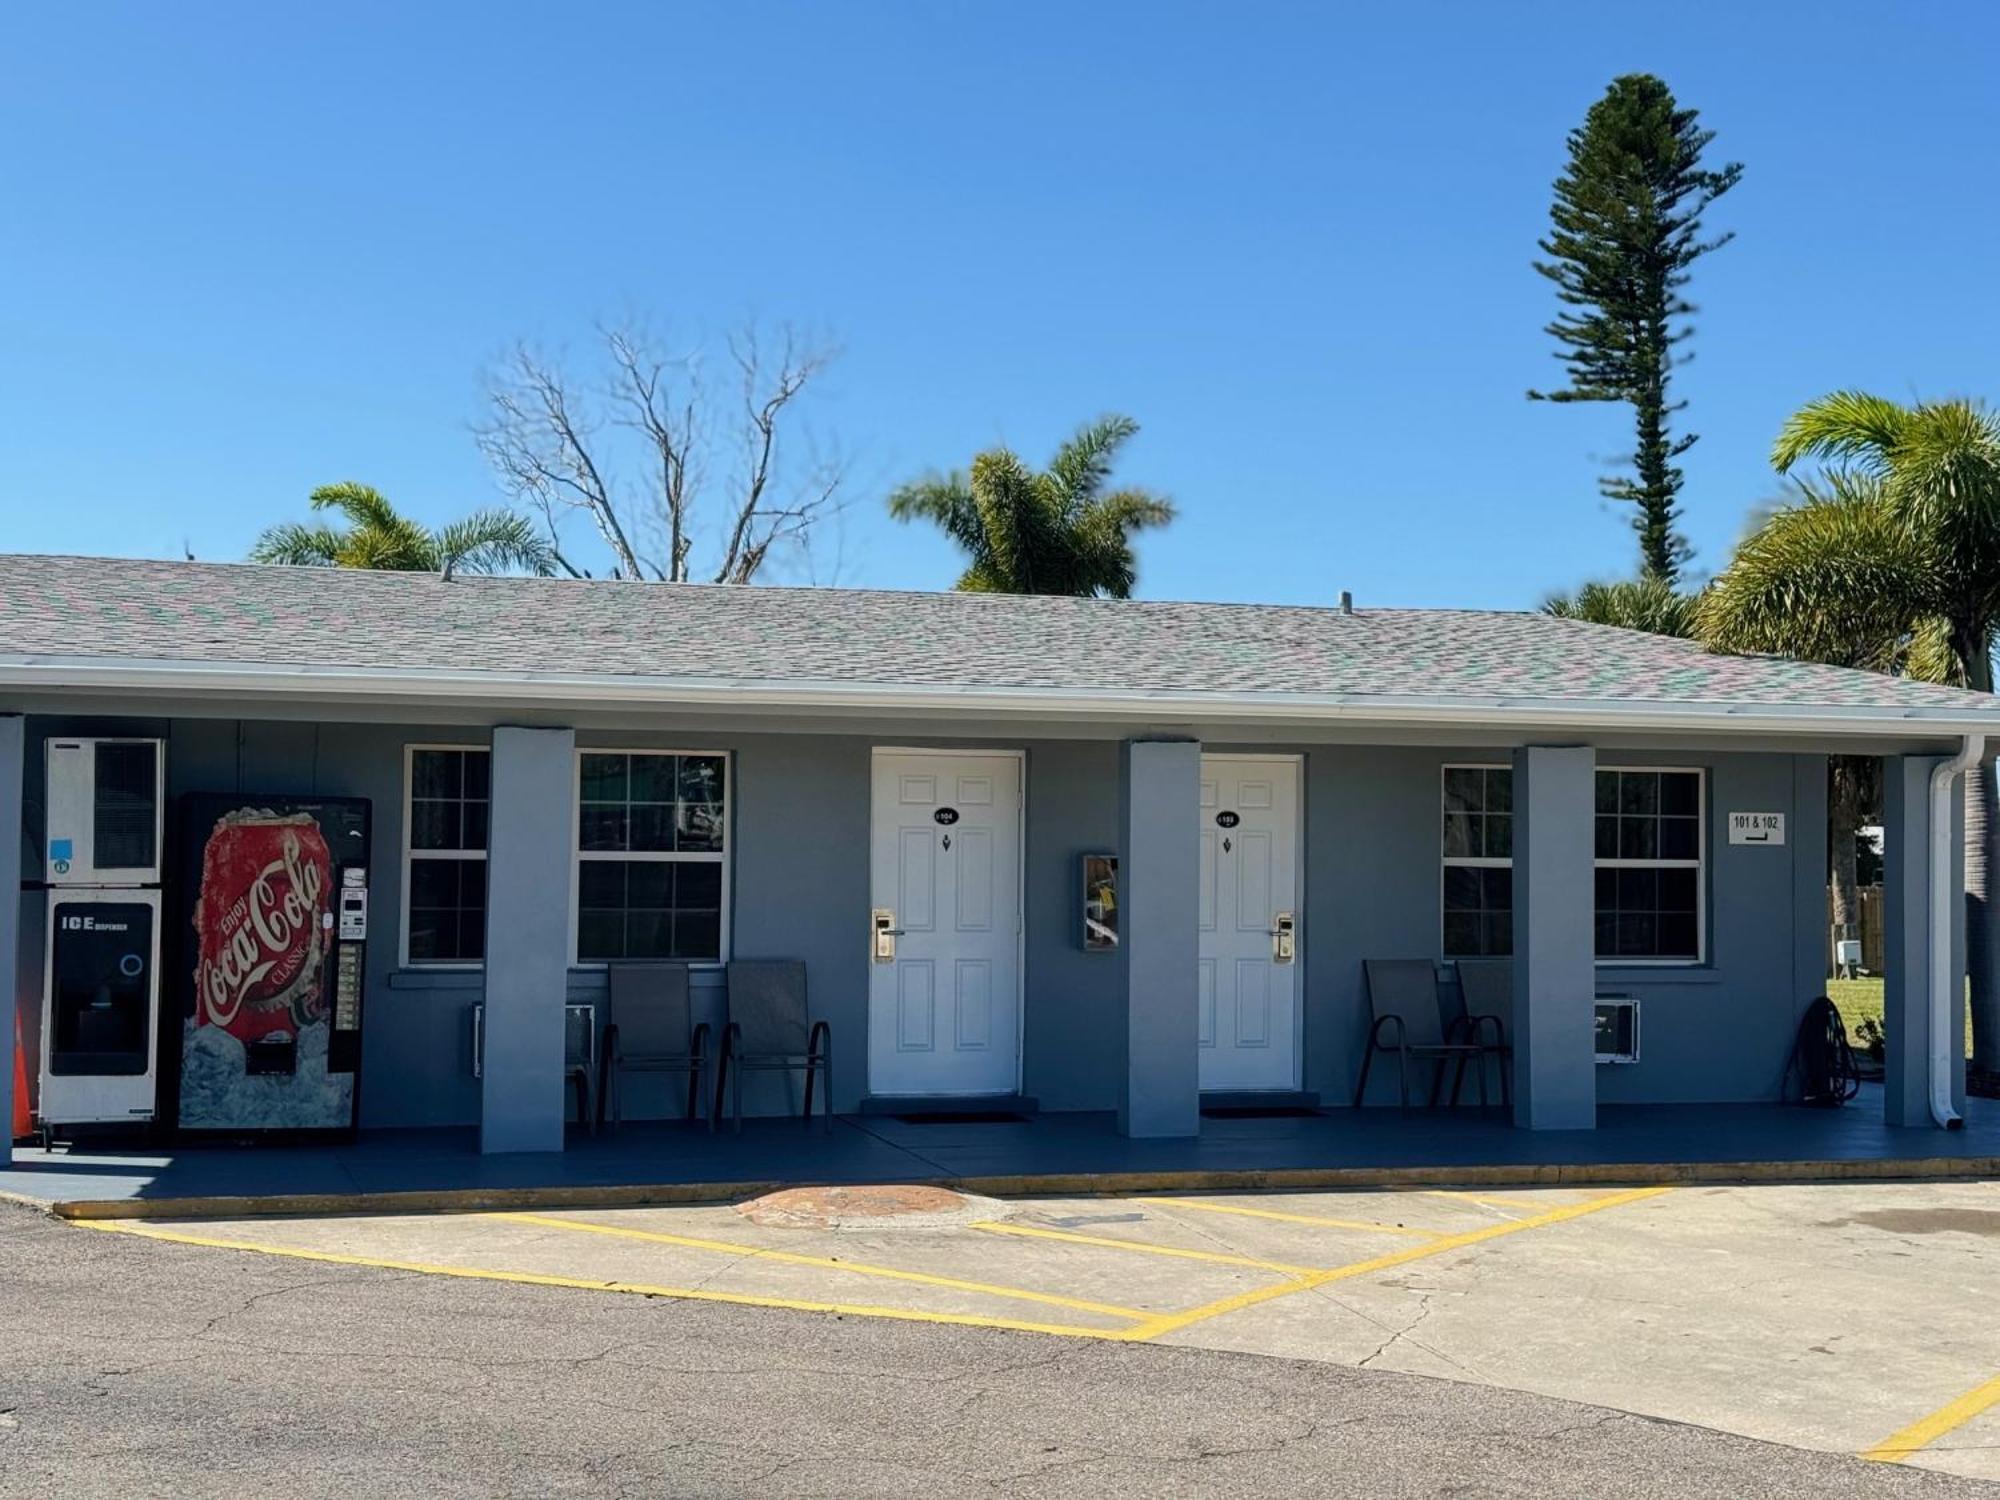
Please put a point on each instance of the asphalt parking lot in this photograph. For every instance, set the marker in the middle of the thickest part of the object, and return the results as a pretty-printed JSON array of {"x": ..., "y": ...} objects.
[{"x": 1848, "y": 1318}]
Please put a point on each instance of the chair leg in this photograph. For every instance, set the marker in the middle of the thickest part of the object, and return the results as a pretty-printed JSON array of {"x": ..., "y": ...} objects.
[
  {"x": 807, "y": 1114},
  {"x": 736, "y": 1097},
  {"x": 1458, "y": 1080},
  {"x": 603, "y": 1091},
  {"x": 1367, "y": 1060},
  {"x": 694, "y": 1084},
  {"x": 1403, "y": 1074},
  {"x": 721, "y": 1083}
]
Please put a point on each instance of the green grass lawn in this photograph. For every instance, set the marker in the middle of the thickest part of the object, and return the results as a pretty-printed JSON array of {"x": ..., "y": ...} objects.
[{"x": 1860, "y": 998}]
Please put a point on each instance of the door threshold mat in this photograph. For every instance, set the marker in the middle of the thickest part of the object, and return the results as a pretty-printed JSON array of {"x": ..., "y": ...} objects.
[
  {"x": 965, "y": 1117},
  {"x": 1260, "y": 1112}
]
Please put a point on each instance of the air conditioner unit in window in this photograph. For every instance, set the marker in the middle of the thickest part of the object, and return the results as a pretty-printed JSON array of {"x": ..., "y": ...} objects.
[
  {"x": 579, "y": 1037},
  {"x": 105, "y": 806},
  {"x": 1617, "y": 1029}
]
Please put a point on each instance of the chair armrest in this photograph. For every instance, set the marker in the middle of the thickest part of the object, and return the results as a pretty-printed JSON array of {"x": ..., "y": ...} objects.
[
  {"x": 1375, "y": 1031},
  {"x": 821, "y": 1033},
  {"x": 611, "y": 1049},
  {"x": 698, "y": 1043},
  {"x": 732, "y": 1039},
  {"x": 1477, "y": 1024}
]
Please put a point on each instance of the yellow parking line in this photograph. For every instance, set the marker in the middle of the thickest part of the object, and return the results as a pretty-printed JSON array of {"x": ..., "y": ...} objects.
[
  {"x": 632, "y": 1288},
  {"x": 1173, "y": 1322},
  {"x": 1137, "y": 1247},
  {"x": 825, "y": 1262},
  {"x": 1921, "y": 1434},
  {"x": 1479, "y": 1198},
  {"x": 1272, "y": 1213}
]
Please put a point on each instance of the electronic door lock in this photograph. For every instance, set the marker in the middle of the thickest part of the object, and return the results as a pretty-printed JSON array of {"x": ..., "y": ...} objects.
[
  {"x": 882, "y": 924},
  {"x": 1284, "y": 938}
]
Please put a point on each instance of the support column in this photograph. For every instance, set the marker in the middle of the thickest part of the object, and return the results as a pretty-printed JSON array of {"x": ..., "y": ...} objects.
[
  {"x": 527, "y": 939},
  {"x": 1907, "y": 901},
  {"x": 1159, "y": 877},
  {"x": 1555, "y": 945},
  {"x": 13, "y": 772}
]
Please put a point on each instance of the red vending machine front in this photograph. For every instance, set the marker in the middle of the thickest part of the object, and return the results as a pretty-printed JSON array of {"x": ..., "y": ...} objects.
[{"x": 274, "y": 934}]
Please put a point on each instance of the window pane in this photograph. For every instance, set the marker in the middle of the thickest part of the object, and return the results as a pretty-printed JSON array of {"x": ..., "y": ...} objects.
[
  {"x": 701, "y": 778},
  {"x": 1461, "y": 934},
  {"x": 600, "y": 935},
  {"x": 1607, "y": 934},
  {"x": 1678, "y": 890},
  {"x": 1607, "y": 889},
  {"x": 435, "y": 825},
  {"x": 434, "y": 882},
  {"x": 1680, "y": 793},
  {"x": 1499, "y": 791},
  {"x": 649, "y": 934},
  {"x": 1463, "y": 790},
  {"x": 1638, "y": 890},
  {"x": 652, "y": 827},
  {"x": 1607, "y": 838},
  {"x": 1607, "y": 791},
  {"x": 1678, "y": 938},
  {"x": 652, "y": 778},
  {"x": 1637, "y": 934},
  {"x": 1498, "y": 931},
  {"x": 698, "y": 884},
  {"x": 437, "y": 773},
  {"x": 600, "y": 883},
  {"x": 698, "y": 934},
  {"x": 601, "y": 827},
  {"x": 1461, "y": 888},
  {"x": 1499, "y": 836},
  {"x": 604, "y": 778},
  {"x": 649, "y": 884},
  {"x": 1497, "y": 889},
  {"x": 1638, "y": 792},
  {"x": 429, "y": 936},
  {"x": 1461, "y": 835},
  {"x": 478, "y": 767},
  {"x": 1680, "y": 838},
  {"x": 474, "y": 832},
  {"x": 700, "y": 828},
  {"x": 1638, "y": 838}
]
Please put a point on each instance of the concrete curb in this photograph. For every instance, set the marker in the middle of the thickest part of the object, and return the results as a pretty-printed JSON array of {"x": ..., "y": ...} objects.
[{"x": 1050, "y": 1184}]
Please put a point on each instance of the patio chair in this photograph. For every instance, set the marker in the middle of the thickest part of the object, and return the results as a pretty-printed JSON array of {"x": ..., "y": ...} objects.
[
  {"x": 576, "y": 1063},
  {"x": 651, "y": 1030},
  {"x": 1402, "y": 994},
  {"x": 1488, "y": 987},
  {"x": 768, "y": 1032}
]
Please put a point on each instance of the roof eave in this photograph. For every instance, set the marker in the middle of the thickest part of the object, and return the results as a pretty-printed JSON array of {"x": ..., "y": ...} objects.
[{"x": 95, "y": 675}]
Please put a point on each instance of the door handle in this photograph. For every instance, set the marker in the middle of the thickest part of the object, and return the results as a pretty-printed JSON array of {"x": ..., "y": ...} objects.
[
  {"x": 882, "y": 926},
  {"x": 1284, "y": 938}
]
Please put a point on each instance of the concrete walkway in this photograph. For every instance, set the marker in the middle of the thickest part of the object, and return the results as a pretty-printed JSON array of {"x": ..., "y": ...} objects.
[{"x": 1050, "y": 1153}]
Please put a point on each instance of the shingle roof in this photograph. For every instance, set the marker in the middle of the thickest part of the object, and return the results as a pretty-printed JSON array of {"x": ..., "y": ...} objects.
[{"x": 138, "y": 611}]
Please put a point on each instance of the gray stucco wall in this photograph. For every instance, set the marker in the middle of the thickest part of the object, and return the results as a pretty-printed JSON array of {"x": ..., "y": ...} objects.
[{"x": 1718, "y": 1031}]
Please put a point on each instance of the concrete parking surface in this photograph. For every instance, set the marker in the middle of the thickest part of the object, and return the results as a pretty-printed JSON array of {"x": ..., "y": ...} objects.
[{"x": 1849, "y": 1318}]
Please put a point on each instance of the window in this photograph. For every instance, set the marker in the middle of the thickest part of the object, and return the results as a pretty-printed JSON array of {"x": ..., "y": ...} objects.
[
  {"x": 1649, "y": 850},
  {"x": 1478, "y": 861},
  {"x": 1649, "y": 864},
  {"x": 444, "y": 855},
  {"x": 651, "y": 840}
]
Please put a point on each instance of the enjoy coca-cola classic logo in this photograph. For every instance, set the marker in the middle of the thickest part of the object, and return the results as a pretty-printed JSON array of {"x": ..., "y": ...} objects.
[{"x": 262, "y": 923}]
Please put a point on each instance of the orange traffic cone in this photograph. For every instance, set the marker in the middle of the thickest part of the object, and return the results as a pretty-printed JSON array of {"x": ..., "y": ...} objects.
[{"x": 24, "y": 1123}]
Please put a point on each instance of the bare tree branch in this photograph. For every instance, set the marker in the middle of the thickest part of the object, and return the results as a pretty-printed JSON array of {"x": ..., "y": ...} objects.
[{"x": 551, "y": 441}]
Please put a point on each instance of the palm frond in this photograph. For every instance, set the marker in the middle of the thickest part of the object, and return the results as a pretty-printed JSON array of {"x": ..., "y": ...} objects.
[
  {"x": 1648, "y": 604},
  {"x": 493, "y": 541},
  {"x": 943, "y": 499},
  {"x": 1083, "y": 464},
  {"x": 1847, "y": 427},
  {"x": 298, "y": 545},
  {"x": 1833, "y": 580},
  {"x": 362, "y": 504}
]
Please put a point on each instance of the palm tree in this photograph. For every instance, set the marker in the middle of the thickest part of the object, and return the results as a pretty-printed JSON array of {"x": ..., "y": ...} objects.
[
  {"x": 377, "y": 536},
  {"x": 1056, "y": 532},
  {"x": 1892, "y": 562},
  {"x": 1648, "y": 604}
]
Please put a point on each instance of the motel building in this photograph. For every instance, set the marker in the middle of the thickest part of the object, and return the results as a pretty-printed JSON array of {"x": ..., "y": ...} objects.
[{"x": 309, "y": 850}]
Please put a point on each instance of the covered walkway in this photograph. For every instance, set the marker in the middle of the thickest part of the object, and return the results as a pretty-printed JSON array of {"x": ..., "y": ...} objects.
[{"x": 664, "y": 1163}]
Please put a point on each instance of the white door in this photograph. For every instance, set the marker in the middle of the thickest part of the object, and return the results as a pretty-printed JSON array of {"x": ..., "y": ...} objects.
[
  {"x": 1249, "y": 985},
  {"x": 944, "y": 945}
]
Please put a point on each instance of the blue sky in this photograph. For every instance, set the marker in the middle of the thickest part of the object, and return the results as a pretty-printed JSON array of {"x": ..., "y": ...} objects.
[{"x": 250, "y": 249}]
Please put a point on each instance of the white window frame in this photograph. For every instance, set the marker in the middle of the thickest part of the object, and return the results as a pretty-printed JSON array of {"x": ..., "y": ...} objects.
[
  {"x": 410, "y": 854},
  {"x": 1462, "y": 861},
  {"x": 578, "y": 854},
  {"x": 1699, "y": 864}
]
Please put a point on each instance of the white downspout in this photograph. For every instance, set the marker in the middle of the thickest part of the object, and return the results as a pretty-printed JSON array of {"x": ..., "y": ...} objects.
[{"x": 1939, "y": 911}]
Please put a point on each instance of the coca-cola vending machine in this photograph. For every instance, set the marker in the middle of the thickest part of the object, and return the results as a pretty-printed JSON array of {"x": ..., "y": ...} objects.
[{"x": 274, "y": 929}]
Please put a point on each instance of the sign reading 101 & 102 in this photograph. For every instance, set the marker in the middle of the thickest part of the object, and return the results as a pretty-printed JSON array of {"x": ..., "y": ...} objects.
[{"x": 1756, "y": 828}]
